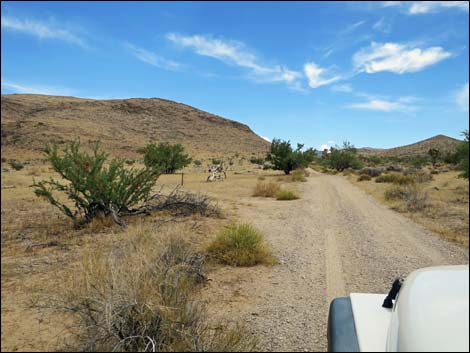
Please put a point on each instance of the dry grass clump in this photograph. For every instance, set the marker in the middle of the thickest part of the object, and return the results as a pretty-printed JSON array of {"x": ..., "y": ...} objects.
[
  {"x": 266, "y": 189},
  {"x": 299, "y": 175},
  {"x": 395, "y": 179},
  {"x": 285, "y": 195},
  {"x": 415, "y": 200},
  {"x": 139, "y": 296},
  {"x": 240, "y": 245},
  {"x": 363, "y": 177},
  {"x": 422, "y": 176}
]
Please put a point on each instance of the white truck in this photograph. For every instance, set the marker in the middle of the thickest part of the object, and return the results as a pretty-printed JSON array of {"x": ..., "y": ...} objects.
[{"x": 428, "y": 312}]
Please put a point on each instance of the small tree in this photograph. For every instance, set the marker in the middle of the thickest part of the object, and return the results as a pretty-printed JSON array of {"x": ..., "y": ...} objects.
[
  {"x": 462, "y": 153},
  {"x": 343, "y": 158},
  {"x": 165, "y": 157},
  {"x": 434, "y": 153},
  {"x": 94, "y": 185},
  {"x": 283, "y": 157}
]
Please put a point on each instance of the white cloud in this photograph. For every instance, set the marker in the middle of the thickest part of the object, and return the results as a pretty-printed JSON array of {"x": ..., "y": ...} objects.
[
  {"x": 391, "y": 3},
  {"x": 461, "y": 97},
  {"x": 153, "y": 59},
  {"x": 400, "y": 105},
  {"x": 383, "y": 25},
  {"x": 42, "y": 30},
  {"x": 318, "y": 76},
  {"x": 345, "y": 88},
  {"x": 236, "y": 53},
  {"x": 15, "y": 87},
  {"x": 423, "y": 7},
  {"x": 397, "y": 58}
]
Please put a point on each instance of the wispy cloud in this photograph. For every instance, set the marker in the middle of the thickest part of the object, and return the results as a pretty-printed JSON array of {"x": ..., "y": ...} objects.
[
  {"x": 16, "y": 87},
  {"x": 397, "y": 58},
  {"x": 383, "y": 25},
  {"x": 461, "y": 97},
  {"x": 236, "y": 53},
  {"x": 318, "y": 76},
  {"x": 42, "y": 30},
  {"x": 402, "y": 104},
  {"x": 153, "y": 59},
  {"x": 424, "y": 7},
  {"x": 344, "y": 88}
]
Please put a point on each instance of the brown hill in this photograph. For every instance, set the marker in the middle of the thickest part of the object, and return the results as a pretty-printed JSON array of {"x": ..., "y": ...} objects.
[
  {"x": 441, "y": 142},
  {"x": 122, "y": 125}
]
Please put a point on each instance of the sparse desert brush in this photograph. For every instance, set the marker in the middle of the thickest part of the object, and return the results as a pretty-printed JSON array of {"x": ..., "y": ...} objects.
[
  {"x": 16, "y": 165},
  {"x": 298, "y": 175},
  {"x": 286, "y": 195},
  {"x": 266, "y": 189},
  {"x": 421, "y": 176},
  {"x": 395, "y": 178},
  {"x": 415, "y": 199},
  {"x": 363, "y": 177},
  {"x": 140, "y": 296},
  {"x": 240, "y": 245}
]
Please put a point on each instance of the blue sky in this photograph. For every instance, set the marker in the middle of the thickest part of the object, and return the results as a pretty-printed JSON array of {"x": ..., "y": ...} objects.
[{"x": 378, "y": 74}]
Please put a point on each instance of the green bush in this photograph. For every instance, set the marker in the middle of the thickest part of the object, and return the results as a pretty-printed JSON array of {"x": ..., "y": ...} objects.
[
  {"x": 395, "y": 178},
  {"x": 197, "y": 163},
  {"x": 283, "y": 157},
  {"x": 342, "y": 158},
  {"x": 240, "y": 245},
  {"x": 94, "y": 185},
  {"x": 255, "y": 160},
  {"x": 16, "y": 165},
  {"x": 286, "y": 195},
  {"x": 165, "y": 157}
]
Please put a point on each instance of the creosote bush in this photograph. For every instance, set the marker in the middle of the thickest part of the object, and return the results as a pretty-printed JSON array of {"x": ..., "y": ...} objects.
[
  {"x": 363, "y": 177},
  {"x": 94, "y": 185},
  {"x": 240, "y": 245},
  {"x": 286, "y": 195},
  {"x": 16, "y": 165},
  {"x": 140, "y": 296},
  {"x": 395, "y": 179},
  {"x": 166, "y": 157},
  {"x": 266, "y": 189}
]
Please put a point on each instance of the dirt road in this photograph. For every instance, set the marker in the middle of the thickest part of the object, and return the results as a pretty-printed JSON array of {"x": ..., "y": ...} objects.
[{"x": 333, "y": 241}]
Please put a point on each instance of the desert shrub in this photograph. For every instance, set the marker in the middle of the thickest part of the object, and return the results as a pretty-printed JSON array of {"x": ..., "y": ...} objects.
[
  {"x": 4, "y": 160},
  {"x": 240, "y": 245},
  {"x": 286, "y": 195},
  {"x": 255, "y": 160},
  {"x": 140, "y": 296},
  {"x": 415, "y": 200},
  {"x": 283, "y": 157},
  {"x": 298, "y": 175},
  {"x": 434, "y": 154},
  {"x": 373, "y": 172},
  {"x": 387, "y": 178},
  {"x": 420, "y": 176},
  {"x": 261, "y": 178},
  {"x": 404, "y": 180},
  {"x": 216, "y": 161},
  {"x": 463, "y": 155},
  {"x": 418, "y": 161},
  {"x": 197, "y": 163},
  {"x": 16, "y": 165},
  {"x": 130, "y": 161},
  {"x": 94, "y": 185},
  {"x": 166, "y": 157},
  {"x": 363, "y": 177},
  {"x": 395, "y": 178},
  {"x": 266, "y": 189}
]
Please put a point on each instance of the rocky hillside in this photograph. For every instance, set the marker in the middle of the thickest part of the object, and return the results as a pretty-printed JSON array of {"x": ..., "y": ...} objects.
[
  {"x": 122, "y": 125},
  {"x": 441, "y": 142}
]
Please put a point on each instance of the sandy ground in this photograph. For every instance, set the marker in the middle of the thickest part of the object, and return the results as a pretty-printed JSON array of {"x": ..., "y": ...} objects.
[{"x": 333, "y": 241}]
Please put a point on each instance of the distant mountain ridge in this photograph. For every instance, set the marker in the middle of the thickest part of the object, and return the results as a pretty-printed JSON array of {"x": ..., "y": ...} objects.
[
  {"x": 122, "y": 125},
  {"x": 441, "y": 142}
]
